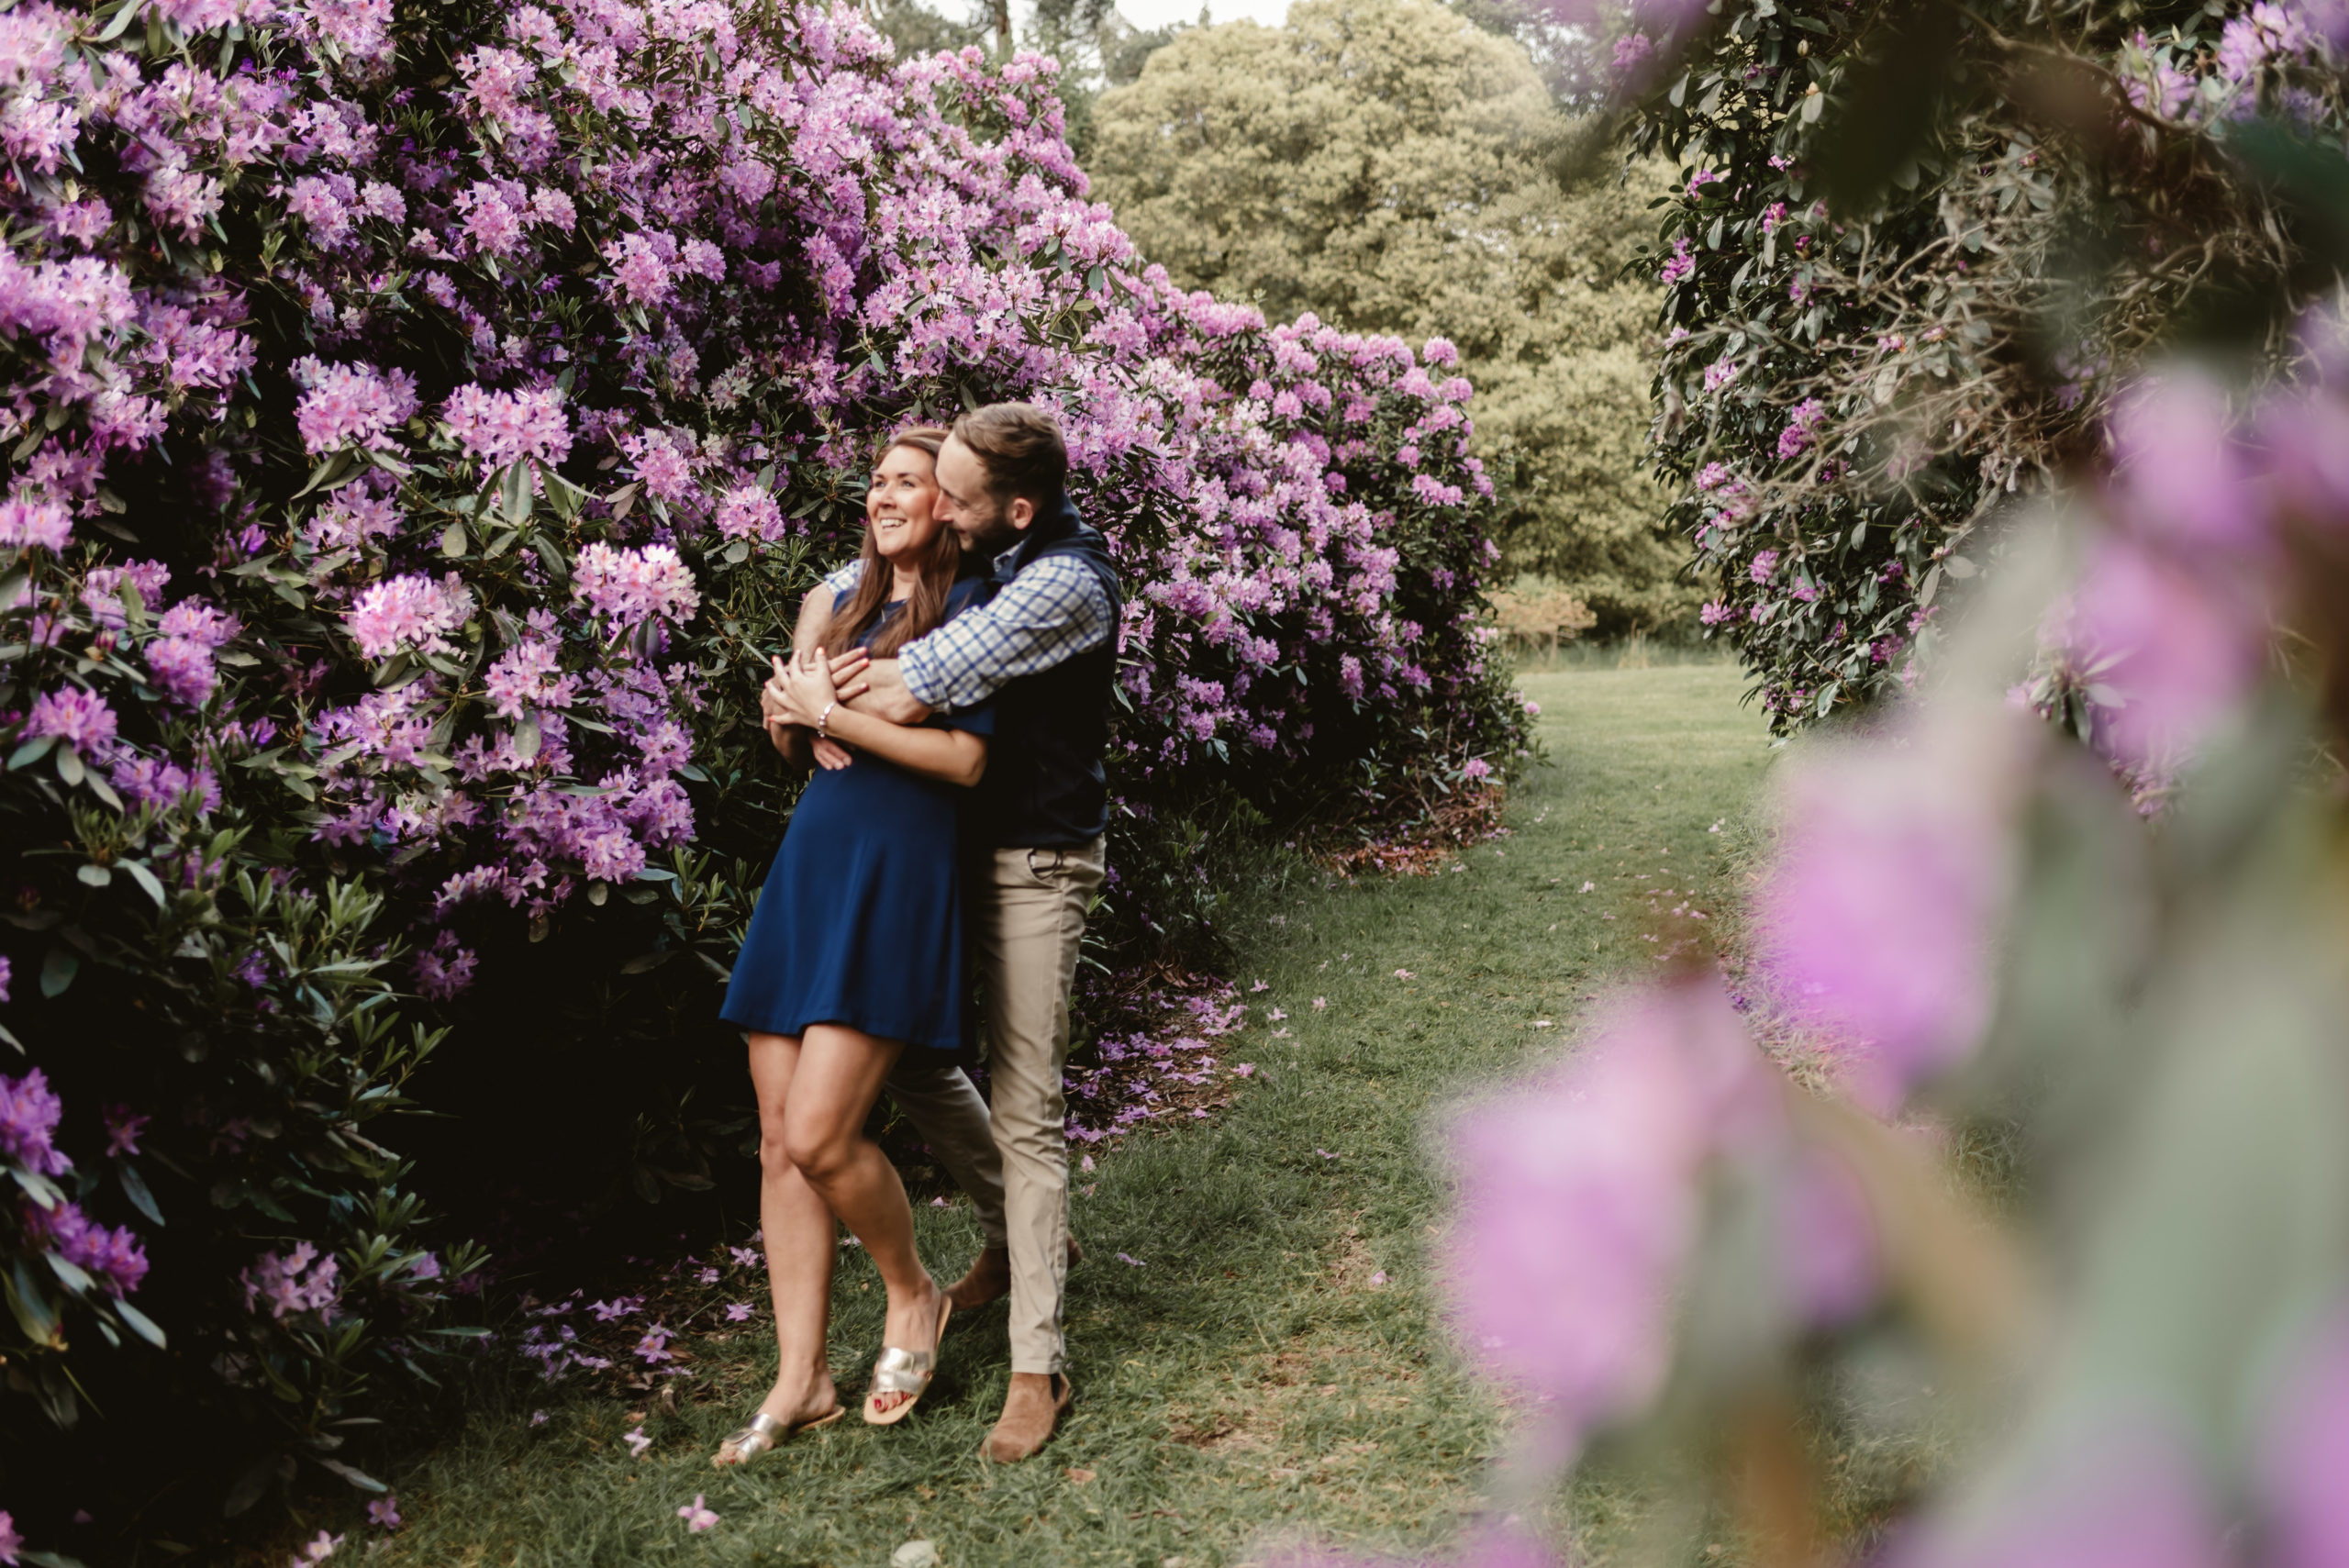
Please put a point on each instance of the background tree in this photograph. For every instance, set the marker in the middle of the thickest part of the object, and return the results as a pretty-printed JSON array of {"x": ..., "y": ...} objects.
[{"x": 1382, "y": 164}]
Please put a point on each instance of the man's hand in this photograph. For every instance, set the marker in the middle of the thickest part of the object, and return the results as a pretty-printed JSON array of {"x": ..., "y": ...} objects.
[{"x": 875, "y": 686}]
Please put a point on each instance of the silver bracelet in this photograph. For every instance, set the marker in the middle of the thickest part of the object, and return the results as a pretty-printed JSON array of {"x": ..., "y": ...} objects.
[{"x": 824, "y": 718}]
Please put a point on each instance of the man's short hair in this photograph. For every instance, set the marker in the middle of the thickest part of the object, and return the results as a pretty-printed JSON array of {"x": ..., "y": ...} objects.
[{"x": 1020, "y": 446}]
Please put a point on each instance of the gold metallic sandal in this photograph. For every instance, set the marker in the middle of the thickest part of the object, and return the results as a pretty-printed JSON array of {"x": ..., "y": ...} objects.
[
  {"x": 764, "y": 1431},
  {"x": 906, "y": 1372}
]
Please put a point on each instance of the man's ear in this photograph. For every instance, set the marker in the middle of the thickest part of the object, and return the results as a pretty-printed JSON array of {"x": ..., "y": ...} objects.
[{"x": 1022, "y": 512}]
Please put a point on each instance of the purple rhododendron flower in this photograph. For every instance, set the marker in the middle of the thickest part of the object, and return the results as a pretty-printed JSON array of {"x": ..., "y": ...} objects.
[
  {"x": 79, "y": 718},
  {"x": 123, "y": 1130},
  {"x": 112, "y": 1256},
  {"x": 2169, "y": 649},
  {"x": 749, "y": 512},
  {"x": 1876, "y": 914},
  {"x": 29, "y": 1113},
  {"x": 1579, "y": 1203},
  {"x": 282, "y": 1283},
  {"x": 499, "y": 427},
  {"x": 30, "y": 524},
  {"x": 344, "y": 405},
  {"x": 629, "y": 586},
  {"x": 2180, "y": 476},
  {"x": 1802, "y": 428},
  {"x": 2305, "y": 1457},
  {"x": 410, "y": 613}
]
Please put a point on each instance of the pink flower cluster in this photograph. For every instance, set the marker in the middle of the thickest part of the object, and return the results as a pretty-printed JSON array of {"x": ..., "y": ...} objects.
[
  {"x": 346, "y": 404},
  {"x": 110, "y": 1258},
  {"x": 1582, "y": 1196},
  {"x": 630, "y": 585},
  {"x": 409, "y": 613},
  {"x": 289, "y": 1282},
  {"x": 499, "y": 427}
]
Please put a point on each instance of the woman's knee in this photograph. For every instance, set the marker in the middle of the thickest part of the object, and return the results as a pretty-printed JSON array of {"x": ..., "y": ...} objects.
[
  {"x": 775, "y": 1139},
  {"x": 820, "y": 1153}
]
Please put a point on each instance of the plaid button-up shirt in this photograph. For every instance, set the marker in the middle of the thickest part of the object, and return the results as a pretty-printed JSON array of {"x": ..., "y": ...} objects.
[{"x": 1045, "y": 612}]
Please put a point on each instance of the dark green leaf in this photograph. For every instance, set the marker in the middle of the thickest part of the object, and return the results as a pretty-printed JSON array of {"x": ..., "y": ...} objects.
[
  {"x": 135, "y": 1188},
  {"x": 146, "y": 882},
  {"x": 140, "y": 1324},
  {"x": 2307, "y": 176},
  {"x": 30, "y": 1304},
  {"x": 58, "y": 969},
  {"x": 516, "y": 500},
  {"x": 358, "y": 1478},
  {"x": 1889, "y": 104},
  {"x": 73, "y": 1276}
]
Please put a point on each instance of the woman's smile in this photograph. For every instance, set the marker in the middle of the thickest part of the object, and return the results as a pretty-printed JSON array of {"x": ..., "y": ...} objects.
[{"x": 901, "y": 505}]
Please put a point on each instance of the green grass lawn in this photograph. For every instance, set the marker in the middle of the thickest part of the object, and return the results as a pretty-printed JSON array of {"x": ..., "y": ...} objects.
[{"x": 1272, "y": 1366}]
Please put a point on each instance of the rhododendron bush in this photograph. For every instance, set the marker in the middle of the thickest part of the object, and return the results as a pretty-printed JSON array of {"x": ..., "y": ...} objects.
[
  {"x": 422, "y": 422},
  {"x": 1911, "y": 257}
]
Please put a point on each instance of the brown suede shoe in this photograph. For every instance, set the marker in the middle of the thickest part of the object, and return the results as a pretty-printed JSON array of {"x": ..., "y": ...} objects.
[
  {"x": 1029, "y": 1415},
  {"x": 989, "y": 1278}
]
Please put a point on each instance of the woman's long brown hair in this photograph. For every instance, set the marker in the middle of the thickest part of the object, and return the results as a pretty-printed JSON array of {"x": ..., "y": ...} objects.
[{"x": 937, "y": 568}]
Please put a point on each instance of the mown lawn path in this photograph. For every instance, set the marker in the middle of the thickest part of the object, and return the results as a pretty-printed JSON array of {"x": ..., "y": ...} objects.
[{"x": 1270, "y": 1365}]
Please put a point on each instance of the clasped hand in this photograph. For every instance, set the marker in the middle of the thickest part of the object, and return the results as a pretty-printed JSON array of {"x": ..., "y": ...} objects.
[{"x": 803, "y": 686}]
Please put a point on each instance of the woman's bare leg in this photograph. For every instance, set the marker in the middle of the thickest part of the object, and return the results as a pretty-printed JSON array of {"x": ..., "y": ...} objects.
[
  {"x": 838, "y": 1076},
  {"x": 799, "y": 1243}
]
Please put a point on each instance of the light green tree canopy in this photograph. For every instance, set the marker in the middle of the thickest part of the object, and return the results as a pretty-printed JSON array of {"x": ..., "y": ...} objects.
[{"x": 1383, "y": 164}]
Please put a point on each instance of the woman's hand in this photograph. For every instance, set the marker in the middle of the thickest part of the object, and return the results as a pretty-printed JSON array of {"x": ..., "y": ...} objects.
[
  {"x": 789, "y": 735},
  {"x": 770, "y": 697},
  {"x": 804, "y": 688}
]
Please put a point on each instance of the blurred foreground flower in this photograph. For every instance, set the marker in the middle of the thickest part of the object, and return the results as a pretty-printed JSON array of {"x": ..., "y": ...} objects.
[
  {"x": 1877, "y": 914},
  {"x": 1579, "y": 1204}
]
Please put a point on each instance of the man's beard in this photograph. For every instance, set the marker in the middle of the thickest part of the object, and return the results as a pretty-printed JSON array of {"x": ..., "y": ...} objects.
[{"x": 990, "y": 536}]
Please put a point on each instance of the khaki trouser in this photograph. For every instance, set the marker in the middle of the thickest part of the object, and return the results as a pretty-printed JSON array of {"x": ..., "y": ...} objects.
[{"x": 1028, "y": 919}]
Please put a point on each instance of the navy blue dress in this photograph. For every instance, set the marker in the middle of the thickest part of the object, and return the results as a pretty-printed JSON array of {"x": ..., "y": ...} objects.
[{"x": 861, "y": 922}]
